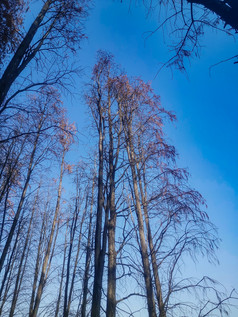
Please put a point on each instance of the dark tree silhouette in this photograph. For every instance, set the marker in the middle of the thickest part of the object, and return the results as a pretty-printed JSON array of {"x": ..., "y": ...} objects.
[
  {"x": 56, "y": 30},
  {"x": 188, "y": 20}
]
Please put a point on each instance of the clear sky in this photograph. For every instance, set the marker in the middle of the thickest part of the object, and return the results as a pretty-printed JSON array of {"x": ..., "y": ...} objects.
[{"x": 205, "y": 103}]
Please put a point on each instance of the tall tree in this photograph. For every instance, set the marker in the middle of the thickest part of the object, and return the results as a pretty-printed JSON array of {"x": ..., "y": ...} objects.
[
  {"x": 96, "y": 103},
  {"x": 104, "y": 107},
  {"x": 65, "y": 140}
]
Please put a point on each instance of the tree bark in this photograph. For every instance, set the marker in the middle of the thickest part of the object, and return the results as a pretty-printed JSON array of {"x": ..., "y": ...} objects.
[
  {"x": 112, "y": 255},
  {"x": 143, "y": 245},
  {"x": 159, "y": 297},
  {"x": 99, "y": 246},
  {"x": 88, "y": 258}
]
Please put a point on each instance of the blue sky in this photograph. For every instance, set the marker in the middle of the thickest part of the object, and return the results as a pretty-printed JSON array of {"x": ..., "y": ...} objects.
[{"x": 205, "y": 103}]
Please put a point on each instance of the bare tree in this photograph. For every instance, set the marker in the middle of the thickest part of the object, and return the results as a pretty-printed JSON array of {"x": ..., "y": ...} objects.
[
  {"x": 96, "y": 103},
  {"x": 65, "y": 141},
  {"x": 170, "y": 222},
  {"x": 56, "y": 29}
]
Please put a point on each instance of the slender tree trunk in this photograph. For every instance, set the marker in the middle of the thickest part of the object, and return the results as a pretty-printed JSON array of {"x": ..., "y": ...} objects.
[
  {"x": 159, "y": 297},
  {"x": 111, "y": 286},
  {"x": 48, "y": 250},
  {"x": 4, "y": 211},
  {"x": 143, "y": 245},
  {"x": 23, "y": 259},
  {"x": 99, "y": 252},
  {"x": 62, "y": 273},
  {"x": 111, "y": 290},
  {"x": 99, "y": 270},
  {"x": 88, "y": 257},
  {"x": 68, "y": 299},
  {"x": 38, "y": 260},
  {"x": 72, "y": 234},
  {"x": 8, "y": 272}
]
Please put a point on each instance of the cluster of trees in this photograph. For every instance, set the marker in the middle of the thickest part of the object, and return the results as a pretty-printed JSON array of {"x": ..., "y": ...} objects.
[
  {"x": 148, "y": 219},
  {"x": 116, "y": 243}
]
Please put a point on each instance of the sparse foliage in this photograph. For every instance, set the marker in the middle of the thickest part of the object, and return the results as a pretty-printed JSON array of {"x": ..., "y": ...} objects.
[{"x": 109, "y": 230}]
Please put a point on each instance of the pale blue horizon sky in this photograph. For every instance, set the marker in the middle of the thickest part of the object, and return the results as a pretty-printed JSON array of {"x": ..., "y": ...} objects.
[{"x": 206, "y": 106}]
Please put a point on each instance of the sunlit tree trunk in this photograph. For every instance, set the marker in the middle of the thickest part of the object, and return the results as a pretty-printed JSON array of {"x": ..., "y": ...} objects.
[
  {"x": 139, "y": 214},
  {"x": 143, "y": 192}
]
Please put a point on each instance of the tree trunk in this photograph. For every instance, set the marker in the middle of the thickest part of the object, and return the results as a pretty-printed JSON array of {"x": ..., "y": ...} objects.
[
  {"x": 88, "y": 258},
  {"x": 69, "y": 299},
  {"x": 111, "y": 289},
  {"x": 143, "y": 245},
  {"x": 8, "y": 272},
  {"x": 99, "y": 252},
  {"x": 48, "y": 250},
  {"x": 143, "y": 192},
  {"x": 62, "y": 273},
  {"x": 111, "y": 285},
  {"x": 38, "y": 260},
  {"x": 24, "y": 257},
  {"x": 72, "y": 234}
]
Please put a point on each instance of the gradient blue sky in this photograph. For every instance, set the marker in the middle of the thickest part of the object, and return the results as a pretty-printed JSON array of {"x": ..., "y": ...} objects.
[{"x": 206, "y": 106}]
